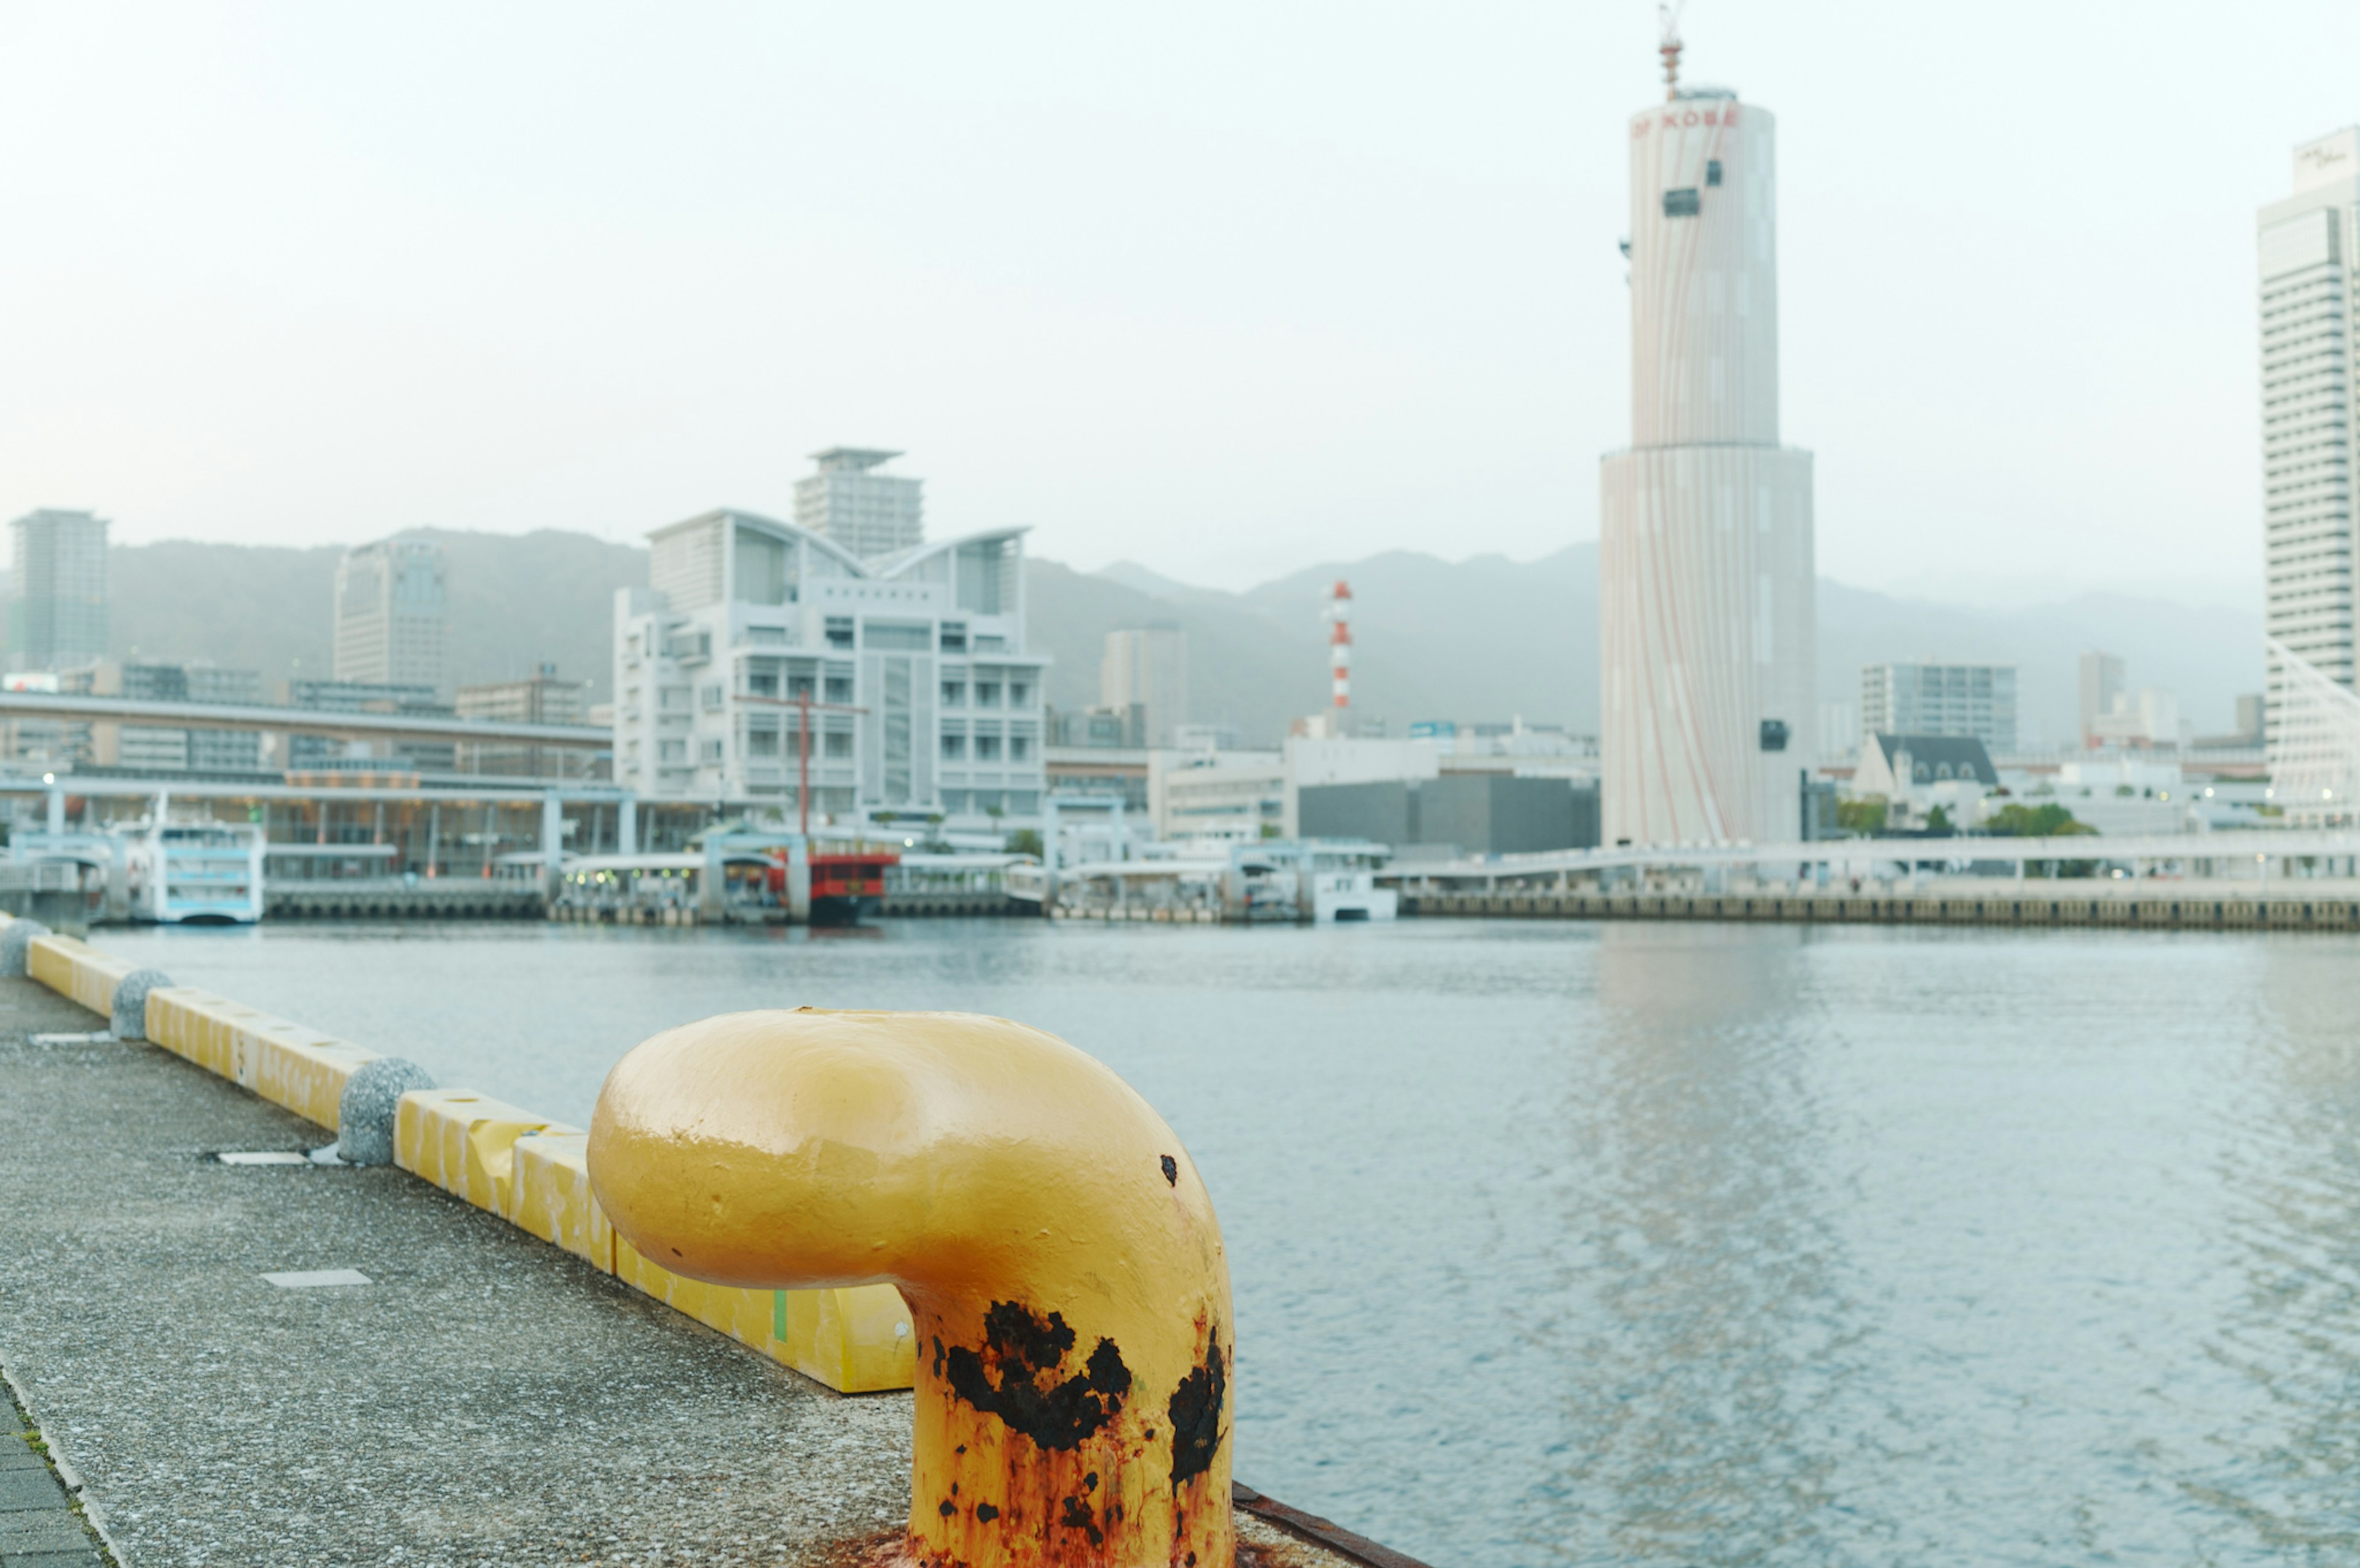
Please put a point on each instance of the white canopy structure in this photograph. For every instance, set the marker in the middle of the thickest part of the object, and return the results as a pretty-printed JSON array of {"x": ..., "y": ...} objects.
[{"x": 2314, "y": 750}]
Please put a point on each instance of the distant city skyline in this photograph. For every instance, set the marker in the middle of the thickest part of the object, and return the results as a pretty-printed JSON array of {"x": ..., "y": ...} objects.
[{"x": 1351, "y": 289}]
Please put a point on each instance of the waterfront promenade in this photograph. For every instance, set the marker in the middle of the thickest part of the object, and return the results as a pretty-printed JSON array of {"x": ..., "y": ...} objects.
[{"x": 484, "y": 1397}]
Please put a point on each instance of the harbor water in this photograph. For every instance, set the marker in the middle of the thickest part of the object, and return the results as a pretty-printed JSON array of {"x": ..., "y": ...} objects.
[{"x": 1560, "y": 1242}]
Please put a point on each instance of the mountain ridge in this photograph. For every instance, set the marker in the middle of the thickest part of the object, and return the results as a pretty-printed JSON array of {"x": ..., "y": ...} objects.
[{"x": 1482, "y": 638}]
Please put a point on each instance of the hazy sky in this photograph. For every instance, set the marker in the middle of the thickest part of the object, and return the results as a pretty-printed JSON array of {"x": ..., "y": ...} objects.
[{"x": 1224, "y": 289}]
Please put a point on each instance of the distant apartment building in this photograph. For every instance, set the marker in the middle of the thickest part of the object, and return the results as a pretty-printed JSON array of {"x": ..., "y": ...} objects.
[
  {"x": 2308, "y": 254},
  {"x": 392, "y": 618},
  {"x": 1926, "y": 698},
  {"x": 866, "y": 513},
  {"x": 540, "y": 698},
  {"x": 1097, "y": 729},
  {"x": 2148, "y": 717},
  {"x": 165, "y": 750},
  {"x": 1237, "y": 797},
  {"x": 1145, "y": 670},
  {"x": 925, "y": 697},
  {"x": 57, "y": 590},
  {"x": 322, "y": 753},
  {"x": 2102, "y": 690}
]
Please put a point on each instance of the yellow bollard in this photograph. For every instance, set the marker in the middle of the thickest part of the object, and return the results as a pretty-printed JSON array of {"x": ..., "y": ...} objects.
[{"x": 1060, "y": 1259}]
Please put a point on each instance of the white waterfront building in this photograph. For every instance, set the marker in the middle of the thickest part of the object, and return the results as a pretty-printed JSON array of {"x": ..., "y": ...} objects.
[
  {"x": 2308, "y": 252},
  {"x": 930, "y": 703},
  {"x": 1707, "y": 610}
]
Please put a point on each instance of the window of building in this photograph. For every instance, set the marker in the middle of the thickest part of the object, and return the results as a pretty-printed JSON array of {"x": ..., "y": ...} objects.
[
  {"x": 671, "y": 751},
  {"x": 1682, "y": 203},
  {"x": 1023, "y": 802},
  {"x": 986, "y": 693},
  {"x": 1019, "y": 747},
  {"x": 839, "y": 689},
  {"x": 835, "y": 744},
  {"x": 987, "y": 748},
  {"x": 1019, "y": 694},
  {"x": 954, "y": 803},
  {"x": 954, "y": 747},
  {"x": 712, "y": 697},
  {"x": 762, "y": 742},
  {"x": 799, "y": 686},
  {"x": 762, "y": 683},
  {"x": 953, "y": 636},
  {"x": 672, "y": 697},
  {"x": 839, "y": 631},
  {"x": 954, "y": 694},
  {"x": 712, "y": 750},
  {"x": 1713, "y": 171},
  {"x": 899, "y": 636}
]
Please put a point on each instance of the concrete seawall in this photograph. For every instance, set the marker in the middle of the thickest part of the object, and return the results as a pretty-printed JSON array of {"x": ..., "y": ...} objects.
[{"x": 2047, "y": 904}]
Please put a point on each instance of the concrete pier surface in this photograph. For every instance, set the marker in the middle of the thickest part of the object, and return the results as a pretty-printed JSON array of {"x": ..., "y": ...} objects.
[{"x": 484, "y": 1397}]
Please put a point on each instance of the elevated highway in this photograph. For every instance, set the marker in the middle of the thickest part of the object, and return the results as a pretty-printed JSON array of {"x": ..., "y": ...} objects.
[{"x": 291, "y": 721}]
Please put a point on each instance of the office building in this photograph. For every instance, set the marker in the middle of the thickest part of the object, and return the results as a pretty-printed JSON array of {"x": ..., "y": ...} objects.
[
  {"x": 1145, "y": 671},
  {"x": 390, "y": 615},
  {"x": 866, "y": 513},
  {"x": 1933, "y": 699},
  {"x": 540, "y": 698},
  {"x": 924, "y": 699},
  {"x": 2309, "y": 254},
  {"x": 1707, "y": 620},
  {"x": 57, "y": 590},
  {"x": 1456, "y": 813},
  {"x": 2102, "y": 690}
]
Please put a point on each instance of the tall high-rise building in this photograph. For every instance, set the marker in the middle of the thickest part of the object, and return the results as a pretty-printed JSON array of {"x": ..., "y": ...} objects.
[
  {"x": 2310, "y": 260},
  {"x": 390, "y": 619},
  {"x": 1705, "y": 560},
  {"x": 1146, "y": 669},
  {"x": 57, "y": 590},
  {"x": 867, "y": 514},
  {"x": 1928, "y": 699}
]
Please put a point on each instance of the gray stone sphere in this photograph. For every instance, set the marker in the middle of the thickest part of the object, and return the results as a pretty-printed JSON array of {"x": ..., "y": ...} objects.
[
  {"x": 13, "y": 943},
  {"x": 130, "y": 1013},
  {"x": 364, "y": 1115}
]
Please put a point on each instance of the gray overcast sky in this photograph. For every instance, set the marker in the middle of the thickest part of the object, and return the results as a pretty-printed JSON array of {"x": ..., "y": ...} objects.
[{"x": 1225, "y": 288}]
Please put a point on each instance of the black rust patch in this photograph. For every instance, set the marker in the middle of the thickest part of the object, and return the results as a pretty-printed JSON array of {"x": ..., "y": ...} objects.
[
  {"x": 1172, "y": 1170},
  {"x": 1196, "y": 1411},
  {"x": 1024, "y": 1350},
  {"x": 986, "y": 1512},
  {"x": 1078, "y": 1516}
]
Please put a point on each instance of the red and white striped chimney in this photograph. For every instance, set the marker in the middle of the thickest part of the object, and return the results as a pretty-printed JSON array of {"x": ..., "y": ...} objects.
[{"x": 1339, "y": 640}]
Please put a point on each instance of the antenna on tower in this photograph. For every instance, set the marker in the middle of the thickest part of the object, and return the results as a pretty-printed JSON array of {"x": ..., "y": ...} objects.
[{"x": 1667, "y": 12}]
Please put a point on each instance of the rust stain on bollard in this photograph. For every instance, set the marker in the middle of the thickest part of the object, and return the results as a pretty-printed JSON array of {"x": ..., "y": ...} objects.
[{"x": 1060, "y": 1257}]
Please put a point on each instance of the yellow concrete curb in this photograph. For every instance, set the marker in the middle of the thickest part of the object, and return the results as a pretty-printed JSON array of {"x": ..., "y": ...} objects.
[
  {"x": 76, "y": 969},
  {"x": 526, "y": 1169}
]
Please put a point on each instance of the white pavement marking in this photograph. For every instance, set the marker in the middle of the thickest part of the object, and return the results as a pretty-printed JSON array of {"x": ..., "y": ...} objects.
[
  {"x": 304, "y": 1278},
  {"x": 262, "y": 1157},
  {"x": 91, "y": 1038}
]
